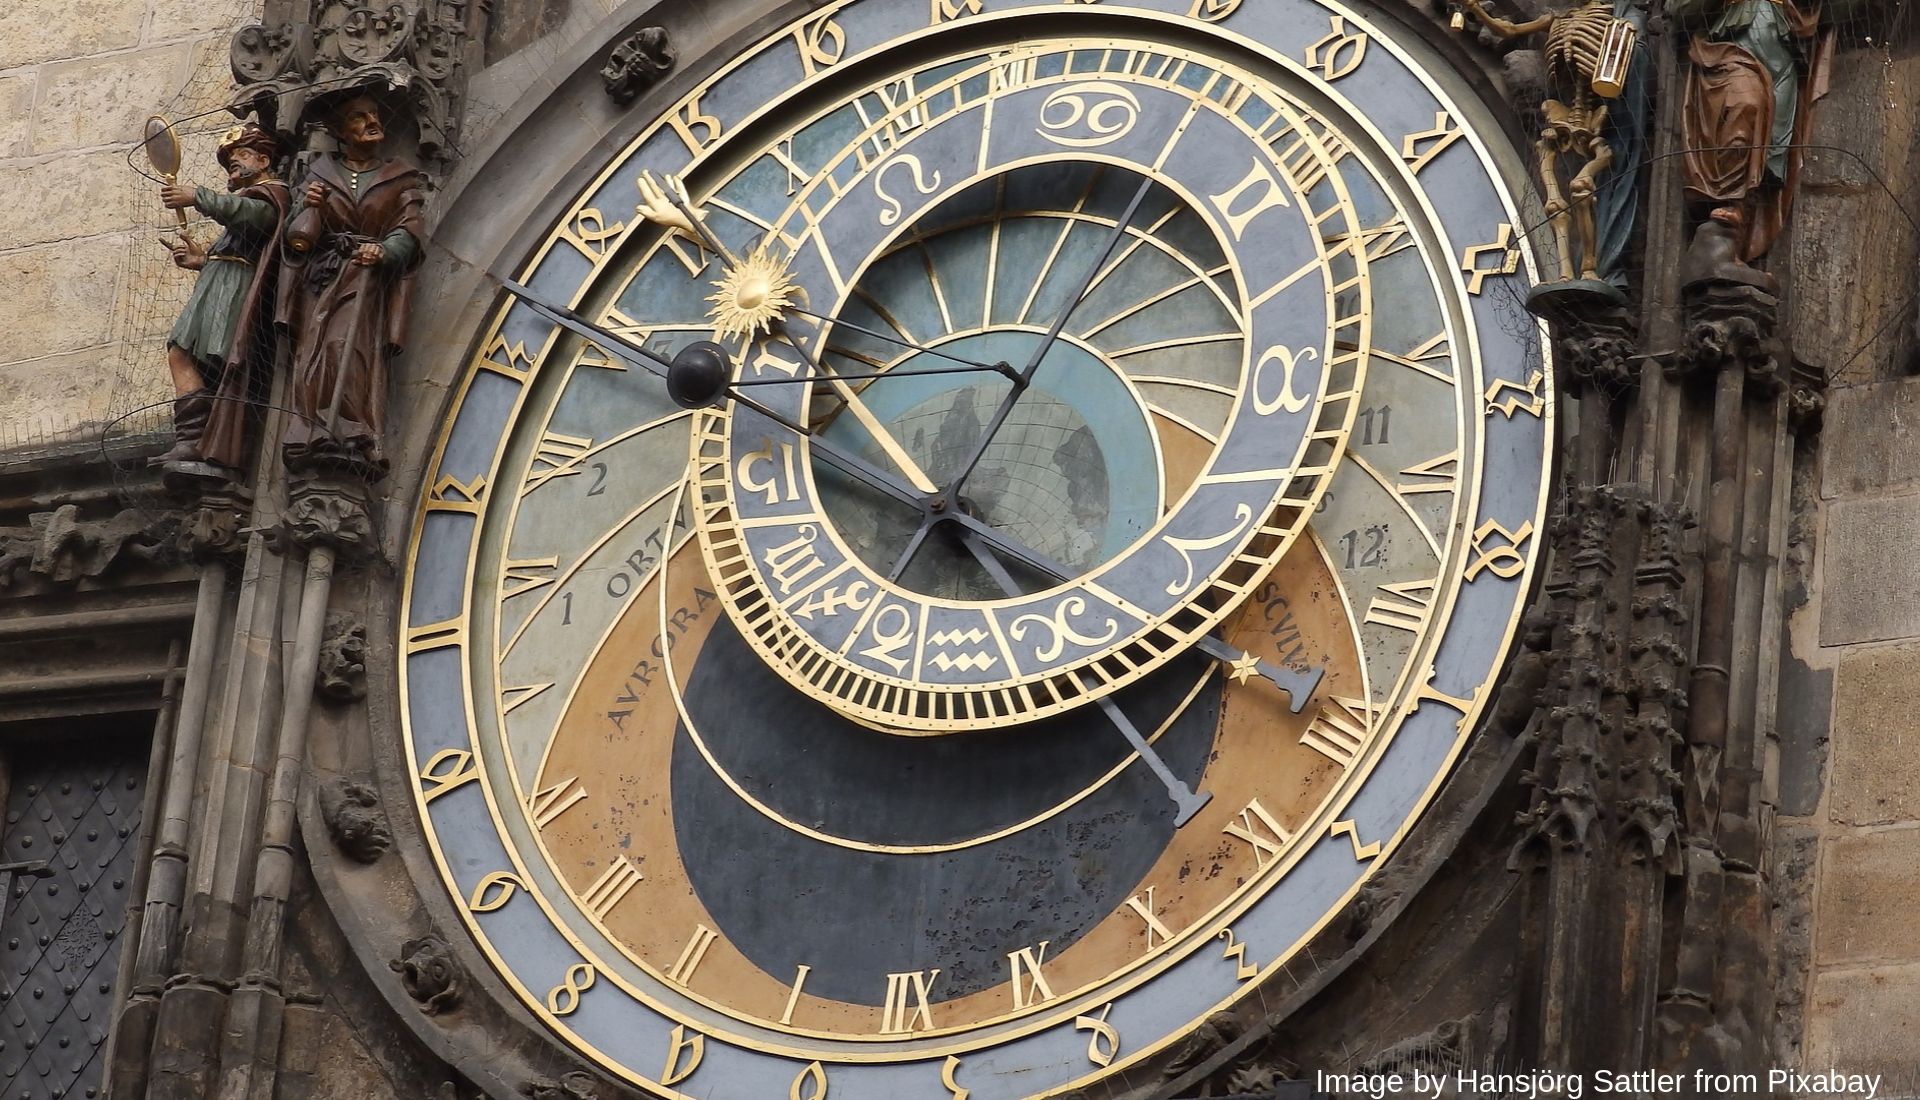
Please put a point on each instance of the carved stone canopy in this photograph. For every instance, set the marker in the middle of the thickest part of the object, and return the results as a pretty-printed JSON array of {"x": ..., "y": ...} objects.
[{"x": 303, "y": 51}]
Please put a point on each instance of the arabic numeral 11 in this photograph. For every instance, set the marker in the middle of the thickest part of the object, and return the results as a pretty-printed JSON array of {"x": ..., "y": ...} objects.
[{"x": 1380, "y": 417}]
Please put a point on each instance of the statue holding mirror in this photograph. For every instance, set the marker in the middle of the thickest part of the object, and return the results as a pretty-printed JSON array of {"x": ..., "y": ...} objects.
[{"x": 222, "y": 331}]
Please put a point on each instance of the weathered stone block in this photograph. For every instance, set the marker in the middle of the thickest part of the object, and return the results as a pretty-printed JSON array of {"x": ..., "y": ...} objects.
[
  {"x": 1865, "y": 909},
  {"x": 53, "y": 30},
  {"x": 174, "y": 19},
  {"x": 1865, "y": 1021},
  {"x": 1872, "y": 438},
  {"x": 1870, "y": 582},
  {"x": 1875, "y": 736},
  {"x": 66, "y": 396},
  {"x": 59, "y": 298},
  {"x": 82, "y": 195},
  {"x": 104, "y": 101},
  {"x": 16, "y": 114}
]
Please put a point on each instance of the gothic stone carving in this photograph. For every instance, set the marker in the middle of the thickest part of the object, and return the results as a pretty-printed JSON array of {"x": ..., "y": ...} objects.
[
  {"x": 573, "y": 1086},
  {"x": 1732, "y": 328},
  {"x": 637, "y": 63},
  {"x": 422, "y": 49},
  {"x": 428, "y": 971},
  {"x": 343, "y": 660},
  {"x": 355, "y": 819},
  {"x": 64, "y": 549},
  {"x": 330, "y": 511}
]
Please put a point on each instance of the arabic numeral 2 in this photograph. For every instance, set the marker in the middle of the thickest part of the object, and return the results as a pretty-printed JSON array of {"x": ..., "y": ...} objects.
[
  {"x": 599, "y": 485},
  {"x": 1371, "y": 418},
  {"x": 1366, "y": 549}
]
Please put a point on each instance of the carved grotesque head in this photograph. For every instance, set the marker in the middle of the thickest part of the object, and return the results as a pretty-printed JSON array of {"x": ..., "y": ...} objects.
[{"x": 639, "y": 60}]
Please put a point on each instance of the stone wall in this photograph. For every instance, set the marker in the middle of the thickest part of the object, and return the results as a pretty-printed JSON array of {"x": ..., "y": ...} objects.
[
  {"x": 90, "y": 289},
  {"x": 1848, "y": 832}
]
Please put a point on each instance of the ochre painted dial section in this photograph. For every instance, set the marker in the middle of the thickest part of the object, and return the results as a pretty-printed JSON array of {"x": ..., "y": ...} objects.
[{"x": 621, "y": 834}]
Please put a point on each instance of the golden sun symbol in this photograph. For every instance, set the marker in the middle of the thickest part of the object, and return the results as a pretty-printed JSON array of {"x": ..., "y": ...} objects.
[{"x": 752, "y": 295}]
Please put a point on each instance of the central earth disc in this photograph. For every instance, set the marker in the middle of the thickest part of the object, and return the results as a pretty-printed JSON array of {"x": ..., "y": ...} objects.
[{"x": 1075, "y": 472}]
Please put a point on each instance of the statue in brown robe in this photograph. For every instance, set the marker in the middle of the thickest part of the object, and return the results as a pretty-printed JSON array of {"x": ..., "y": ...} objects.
[
  {"x": 221, "y": 336},
  {"x": 1757, "y": 68},
  {"x": 350, "y": 253}
]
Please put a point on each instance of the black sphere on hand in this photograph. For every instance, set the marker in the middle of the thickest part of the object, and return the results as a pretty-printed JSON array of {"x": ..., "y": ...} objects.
[{"x": 698, "y": 375}]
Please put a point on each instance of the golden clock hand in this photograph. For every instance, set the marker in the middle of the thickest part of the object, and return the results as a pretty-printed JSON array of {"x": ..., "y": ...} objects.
[
  {"x": 671, "y": 206},
  {"x": 654, "y": 363},
  {"x": 1186, "y": 800},
  {"x": 850, "y": 397}
]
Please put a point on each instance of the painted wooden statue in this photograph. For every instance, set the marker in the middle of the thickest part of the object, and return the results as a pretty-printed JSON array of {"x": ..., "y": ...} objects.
[
  {"x": 351, "y": 251},
  {"x": 1589, "y": 52},
  {"x": 214, "y": 347}
]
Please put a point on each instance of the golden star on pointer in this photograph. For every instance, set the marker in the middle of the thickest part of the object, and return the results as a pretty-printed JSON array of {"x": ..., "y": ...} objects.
[{"x": 1245, "y": 667}]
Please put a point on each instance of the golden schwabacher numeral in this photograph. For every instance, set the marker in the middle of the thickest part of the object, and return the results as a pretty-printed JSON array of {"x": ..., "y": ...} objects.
[
  {"x": 494, "y": 892},
  {"x": 589, "y": 231},
  {"x": 564, "y": 999},
  {"x": 945, "y": 11},
  {"x": 1503, "y": 561},
  {"x": 450, "y": 769},
  {"x": 696, "y": 127},
  {"x": 452, "y": 632},
  {"x": 1029, "y": 983},
  {"x": 909, "y": 1002},
  {"x": 1213, "y": 11},
  {"x": 1236, "y": 953},
  {"x": 1502, "y": 257},
  {"x": 511, "y": 360},
  {"x": 684, "y": 1051},
  {"x": 822, "y": 43},
  {"x": 1508, "y": 398},
  {"x": 1419, "y": 148},
  {"x": 1104, "y": 1044},
  {"x": 1339, "y": 52},
  {"x": 450, "y": 494}
]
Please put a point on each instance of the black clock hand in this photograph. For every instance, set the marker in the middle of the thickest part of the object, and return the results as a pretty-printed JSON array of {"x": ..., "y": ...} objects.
[
  {"x": 1299, "y": 686},
  {"x": 1053, "y": 334},
  {"x": 654, "y": 363},
  {"x": 950, "y": 496},
  {"x": 1186, "y": 800}
]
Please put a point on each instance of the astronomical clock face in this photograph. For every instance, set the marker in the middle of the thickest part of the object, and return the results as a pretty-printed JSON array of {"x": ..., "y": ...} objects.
[{"x": 1123, "y": 470}]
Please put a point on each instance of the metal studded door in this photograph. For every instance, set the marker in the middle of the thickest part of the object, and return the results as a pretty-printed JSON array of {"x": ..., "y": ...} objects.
[{"x": 73, "y": 821}]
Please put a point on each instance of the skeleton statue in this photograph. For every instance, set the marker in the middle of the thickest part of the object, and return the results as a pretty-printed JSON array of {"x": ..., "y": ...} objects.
[{"x": 1587, "y": 49}]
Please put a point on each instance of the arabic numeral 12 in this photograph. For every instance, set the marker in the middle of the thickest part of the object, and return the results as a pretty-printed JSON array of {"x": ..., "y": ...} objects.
[{"x": 1366, "y": 549}]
